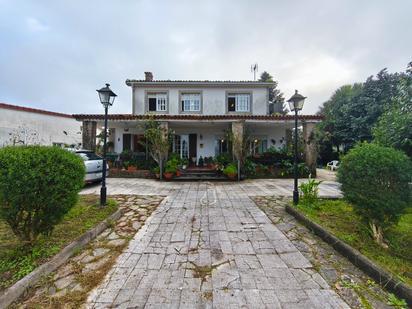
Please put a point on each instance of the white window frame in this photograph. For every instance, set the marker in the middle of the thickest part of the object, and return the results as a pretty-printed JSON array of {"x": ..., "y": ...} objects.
[
  {"x": 161, "y": 101},
  {"x": 191, "y": 102},
  {"x": 242, "y": 101}
]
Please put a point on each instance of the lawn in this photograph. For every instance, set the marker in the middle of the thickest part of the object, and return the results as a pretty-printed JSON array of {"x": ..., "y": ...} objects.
[
  {"x": 339, "y": 218},
  {"x": 15, "y": 262}
]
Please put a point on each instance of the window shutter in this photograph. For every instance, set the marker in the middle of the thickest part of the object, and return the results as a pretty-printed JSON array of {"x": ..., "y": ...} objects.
[
  {"x": 183, "y": 105},
  {"x": 152, "y": 104},
  {"x": 231, "y": 104}
]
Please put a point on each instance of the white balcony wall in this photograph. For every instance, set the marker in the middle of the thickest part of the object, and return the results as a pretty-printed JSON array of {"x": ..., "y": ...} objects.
[{"x": 213, "y": 99}]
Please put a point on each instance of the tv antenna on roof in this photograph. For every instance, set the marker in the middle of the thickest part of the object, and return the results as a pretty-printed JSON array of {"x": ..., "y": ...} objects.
[{"x": 254, "y": 68}]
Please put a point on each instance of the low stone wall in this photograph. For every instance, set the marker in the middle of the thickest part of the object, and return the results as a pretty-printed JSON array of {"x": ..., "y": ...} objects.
[
  {"x": 21, "y": 286},
  {"x": 120, "y": 173},
  {"x": 384, "y": 278}
]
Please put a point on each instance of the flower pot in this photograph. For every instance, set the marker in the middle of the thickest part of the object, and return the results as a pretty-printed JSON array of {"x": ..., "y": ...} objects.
[
  {"x": 178, "y": 173},
  {"x": 132, "y": 168},
  {"x": 168, "y": 176},
  {"x": 157, "y": 175},
  {"x": 232, "y": 176}
]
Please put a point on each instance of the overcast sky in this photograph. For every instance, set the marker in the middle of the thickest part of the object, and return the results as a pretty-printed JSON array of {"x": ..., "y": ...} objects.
[{"x": 55, "y": 54}]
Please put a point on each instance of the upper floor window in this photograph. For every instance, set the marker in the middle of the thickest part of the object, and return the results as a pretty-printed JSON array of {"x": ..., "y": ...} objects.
[
  {"x": 190, "y": 102},
  {"x": 157, "y": 102},
  {"x": 238, "y": 102}
]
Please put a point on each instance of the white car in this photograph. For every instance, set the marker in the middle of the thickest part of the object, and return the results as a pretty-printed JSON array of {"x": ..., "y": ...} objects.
[{"x": 93, "y": 164}]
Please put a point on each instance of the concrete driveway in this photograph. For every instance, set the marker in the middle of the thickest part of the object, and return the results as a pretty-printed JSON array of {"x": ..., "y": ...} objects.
[{"x": 209, "y": 246}]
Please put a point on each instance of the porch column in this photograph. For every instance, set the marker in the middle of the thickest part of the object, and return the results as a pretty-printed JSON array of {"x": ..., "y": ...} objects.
[
  {"x": 310, "y": 147},
  {"x": 165, "y": 128},
  {"x": 237, "y": 131},
  {"x": 89, "y": 135}
]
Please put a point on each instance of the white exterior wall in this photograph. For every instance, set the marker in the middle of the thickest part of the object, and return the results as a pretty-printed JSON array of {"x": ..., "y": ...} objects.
[
  {"x": 36, "y": 128},
  {"x": 273, "y": 134},
  {"x": 119, "y": 130},
  {"x": 209, "y": 136},
  {"x": 209, "y": 132},
  {"x": 213, "y": 99}
]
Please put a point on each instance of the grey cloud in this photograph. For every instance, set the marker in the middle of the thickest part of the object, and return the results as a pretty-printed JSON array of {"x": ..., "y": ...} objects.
[{"x": 314, "y": 46}]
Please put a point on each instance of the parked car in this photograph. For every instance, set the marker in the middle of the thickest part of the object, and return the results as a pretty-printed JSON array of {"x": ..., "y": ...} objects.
[{"x": 93, "y": 164}]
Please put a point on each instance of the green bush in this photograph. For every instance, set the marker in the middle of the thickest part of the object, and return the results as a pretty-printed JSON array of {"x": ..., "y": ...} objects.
[
  {"x": 201, "y": 161},
  {"x": 171, "y": 166},
  {"x": 223, "y": 159},
  {"x": 231, "y": 169},
  {"x": 249, "y": 168},
  {"x": 375, "y": 180},
  {"x": 38, "y": 186},
  {"x": 309, "y": 191}
]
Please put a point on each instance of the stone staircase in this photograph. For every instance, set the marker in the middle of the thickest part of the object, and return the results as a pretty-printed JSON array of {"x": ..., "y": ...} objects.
[{"x": 194, "y": 174}]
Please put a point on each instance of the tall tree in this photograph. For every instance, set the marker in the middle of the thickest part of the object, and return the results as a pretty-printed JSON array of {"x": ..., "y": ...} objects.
[
  {"x": 365, "y": 109},
  {"x": 275, "y": 95},
  {"x": 353, "y": 110},
  {"x": 394, "y": 127},
  {"x": 335, "y": 128}
]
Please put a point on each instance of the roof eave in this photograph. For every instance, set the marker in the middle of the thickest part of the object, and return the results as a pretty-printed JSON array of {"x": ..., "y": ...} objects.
[
  {"x": 130, "y": 83},
  {"x": 131, "y": 117}
]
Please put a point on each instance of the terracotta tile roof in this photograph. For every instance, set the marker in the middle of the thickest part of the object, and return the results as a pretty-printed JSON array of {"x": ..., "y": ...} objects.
[
  {"x": 129, "y": 82},
  {"x": 33, "y": 110},
  {"x": 120, "y": 117}
]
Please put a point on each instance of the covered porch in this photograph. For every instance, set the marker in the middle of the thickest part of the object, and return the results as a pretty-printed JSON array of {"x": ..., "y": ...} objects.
[{"x": 202, "y": 136}]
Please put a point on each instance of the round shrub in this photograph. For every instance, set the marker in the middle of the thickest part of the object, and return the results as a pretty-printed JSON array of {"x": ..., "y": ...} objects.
[
  {"x": 231, "y": 169},
  {"x": 375, "y": 179},
  {"x": 38, "y": 186}
]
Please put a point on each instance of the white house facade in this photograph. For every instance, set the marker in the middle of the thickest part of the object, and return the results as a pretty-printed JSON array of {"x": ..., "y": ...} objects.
[
  {"x": 200, "y": 113},
  {"x": 28, "y": 126}
]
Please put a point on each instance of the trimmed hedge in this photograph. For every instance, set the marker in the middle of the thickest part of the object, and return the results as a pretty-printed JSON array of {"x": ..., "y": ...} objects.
[
  {"x": 375, "y": 179},
  {"x": 38, "y": 186}
]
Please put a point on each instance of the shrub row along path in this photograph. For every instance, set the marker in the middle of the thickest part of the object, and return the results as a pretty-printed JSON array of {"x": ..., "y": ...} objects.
[{"x": 209, "y": 246}]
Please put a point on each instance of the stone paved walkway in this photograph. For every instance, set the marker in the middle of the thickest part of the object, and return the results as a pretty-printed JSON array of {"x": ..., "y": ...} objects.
[
  {"x": 209, "y": 246},
  {"x": 255, "y": 187}
]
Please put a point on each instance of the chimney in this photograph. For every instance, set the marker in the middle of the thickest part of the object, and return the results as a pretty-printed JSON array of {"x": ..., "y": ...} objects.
[{"x": 148, "y": 76}]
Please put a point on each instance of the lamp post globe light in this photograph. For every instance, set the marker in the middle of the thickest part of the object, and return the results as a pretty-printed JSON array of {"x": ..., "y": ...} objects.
[
  {"x": 295, "y": 105},
  {"x": 106, "y": 96}
]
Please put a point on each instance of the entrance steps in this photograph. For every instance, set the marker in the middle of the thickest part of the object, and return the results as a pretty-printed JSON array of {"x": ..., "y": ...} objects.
[{"x": 200, "y": 174}]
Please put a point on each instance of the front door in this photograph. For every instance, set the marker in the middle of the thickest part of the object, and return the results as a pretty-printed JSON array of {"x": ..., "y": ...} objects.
[
  {"x": 184, "y": 146},
  {"x": 192, "y": 146}
]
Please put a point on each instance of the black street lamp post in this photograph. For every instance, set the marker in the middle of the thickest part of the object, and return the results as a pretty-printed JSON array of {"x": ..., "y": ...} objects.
[
  {"x": 296, "y": 104},
  {"x": 106, "y": 96}
]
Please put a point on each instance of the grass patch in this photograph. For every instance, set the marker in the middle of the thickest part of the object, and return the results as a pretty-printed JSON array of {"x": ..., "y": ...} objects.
[
  {"x": 16, "y": 262},
  {"x": 338, "y": 217}
]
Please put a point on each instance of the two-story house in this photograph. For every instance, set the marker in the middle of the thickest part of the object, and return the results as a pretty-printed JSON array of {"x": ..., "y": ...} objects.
[{"x": 200, "y": 113}]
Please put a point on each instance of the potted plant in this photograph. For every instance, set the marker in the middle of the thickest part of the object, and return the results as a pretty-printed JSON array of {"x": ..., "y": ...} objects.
[
  {"x": 126, "y": 165},
  {"x": 132, "y": 168},
  {"x": 201, "y": 161},
  {"x": 170, "y": 168},
  {"x": 169, "y": 172},
  {"x": 156, "y": 171},
  {"x": 230, "y": 171},
  {"x": 178, "y": 173},
  {"x": 185, "y": 163},
  {"x": 211, "y": 163}
]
